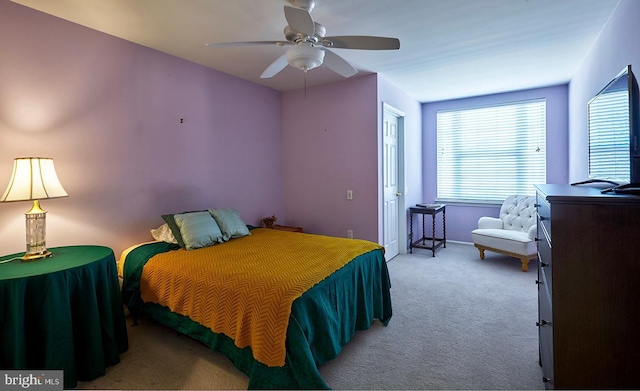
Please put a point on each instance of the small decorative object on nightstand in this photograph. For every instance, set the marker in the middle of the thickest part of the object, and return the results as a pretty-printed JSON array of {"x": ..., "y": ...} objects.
[{"x": 269, "y": 220}]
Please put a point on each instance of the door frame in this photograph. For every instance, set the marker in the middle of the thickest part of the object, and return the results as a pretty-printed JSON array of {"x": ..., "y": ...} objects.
[{"x": 402, "y": 210}]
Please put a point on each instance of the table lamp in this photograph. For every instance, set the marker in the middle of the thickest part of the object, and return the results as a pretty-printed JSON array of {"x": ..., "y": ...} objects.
[{"x": 34, "y": 179}]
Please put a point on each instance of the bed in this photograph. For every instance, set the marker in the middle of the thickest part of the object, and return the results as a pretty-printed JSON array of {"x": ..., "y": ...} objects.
[{"x": 277, "y": 304}]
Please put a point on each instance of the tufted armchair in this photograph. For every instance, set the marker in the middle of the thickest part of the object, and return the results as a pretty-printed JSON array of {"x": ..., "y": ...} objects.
[{"x": 512, "y": 234}]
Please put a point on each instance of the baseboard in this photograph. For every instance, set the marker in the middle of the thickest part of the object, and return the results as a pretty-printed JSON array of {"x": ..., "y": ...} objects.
[{"x": 406, "y": 250}]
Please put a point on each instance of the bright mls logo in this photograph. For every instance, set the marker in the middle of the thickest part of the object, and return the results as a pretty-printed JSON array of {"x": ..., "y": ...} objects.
[{"x": 32, "y": 379}]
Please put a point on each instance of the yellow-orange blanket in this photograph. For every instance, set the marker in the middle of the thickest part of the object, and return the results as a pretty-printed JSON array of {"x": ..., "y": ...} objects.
[{"x": 244, "y": 288}]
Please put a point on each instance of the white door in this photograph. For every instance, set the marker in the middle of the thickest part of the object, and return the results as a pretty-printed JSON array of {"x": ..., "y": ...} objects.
[{"x": 390, "y": 135}]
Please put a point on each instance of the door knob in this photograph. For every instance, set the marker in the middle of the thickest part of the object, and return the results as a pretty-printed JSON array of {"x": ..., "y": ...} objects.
[{"x": 398, "y": 193}]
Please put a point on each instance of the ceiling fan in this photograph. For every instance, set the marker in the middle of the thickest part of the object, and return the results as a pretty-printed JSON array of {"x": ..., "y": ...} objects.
[{"x": 309, "y": 47}]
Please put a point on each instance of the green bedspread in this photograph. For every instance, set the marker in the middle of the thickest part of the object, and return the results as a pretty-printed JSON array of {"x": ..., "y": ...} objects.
[{"x": 322, "y": 320}]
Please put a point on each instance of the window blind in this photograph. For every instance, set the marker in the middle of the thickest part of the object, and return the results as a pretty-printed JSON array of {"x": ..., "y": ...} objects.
[
  {"x": 486, "y": 154},
  {"x": 609, "y": 137}
]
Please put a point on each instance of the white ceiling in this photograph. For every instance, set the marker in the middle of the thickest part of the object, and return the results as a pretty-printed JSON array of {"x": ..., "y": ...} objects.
[{"x": 449, "y": 48}]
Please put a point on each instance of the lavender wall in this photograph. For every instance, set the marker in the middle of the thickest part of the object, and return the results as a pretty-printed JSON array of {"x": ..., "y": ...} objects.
[
  {"x": 462, "y": 219},
  {"x": 331, "y": 144},
  {"x": 616, "y": 47},
  {"x": 329, "y": 147},
  {"x": 108, "y": 112}
]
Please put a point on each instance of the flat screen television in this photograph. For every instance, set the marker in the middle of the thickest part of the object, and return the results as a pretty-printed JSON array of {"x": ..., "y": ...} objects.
[{"x": 614, "y": 132}]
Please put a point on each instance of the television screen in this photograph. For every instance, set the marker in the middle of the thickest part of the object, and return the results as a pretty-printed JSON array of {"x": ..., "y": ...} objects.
[
  {"x": 614, "y": 135},
  {"x": 609, "y": 131}
]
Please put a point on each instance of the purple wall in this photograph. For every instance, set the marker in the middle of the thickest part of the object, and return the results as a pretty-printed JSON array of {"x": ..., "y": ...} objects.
[
  {"x": 616, "y": 47},
  {"x": 329, "y": 147},
  {"x": 331, "y": 144},
  {"x": 462, "y": 219},
  {"x": 108, "y": 112}
]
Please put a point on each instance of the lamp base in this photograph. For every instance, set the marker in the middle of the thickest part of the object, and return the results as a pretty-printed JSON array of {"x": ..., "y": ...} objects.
[{"x": 36, "y": 256}]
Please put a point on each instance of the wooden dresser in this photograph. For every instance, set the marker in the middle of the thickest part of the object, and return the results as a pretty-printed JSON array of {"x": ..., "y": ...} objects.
[{"x": 588, "y": 288}]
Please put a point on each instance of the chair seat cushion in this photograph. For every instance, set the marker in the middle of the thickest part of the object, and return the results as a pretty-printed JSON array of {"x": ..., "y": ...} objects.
[{"x": 506, "y": 240}]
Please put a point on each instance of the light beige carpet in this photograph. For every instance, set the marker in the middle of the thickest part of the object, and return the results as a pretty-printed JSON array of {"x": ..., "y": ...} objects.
[{"x": 458, "y": 323}]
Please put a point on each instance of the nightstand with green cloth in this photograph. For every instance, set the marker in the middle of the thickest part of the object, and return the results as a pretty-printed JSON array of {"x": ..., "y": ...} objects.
[{"x": 63, "y": 312}]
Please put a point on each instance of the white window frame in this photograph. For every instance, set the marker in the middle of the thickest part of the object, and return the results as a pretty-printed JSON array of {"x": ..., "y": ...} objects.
[{"x": 488, "y": 153}]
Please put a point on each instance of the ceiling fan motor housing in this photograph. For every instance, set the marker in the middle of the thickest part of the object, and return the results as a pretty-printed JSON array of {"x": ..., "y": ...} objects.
[{"x": 294, "y": 36}]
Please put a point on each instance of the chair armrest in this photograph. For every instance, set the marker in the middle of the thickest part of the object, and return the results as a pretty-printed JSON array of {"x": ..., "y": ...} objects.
[
  {"x": 489, "y": 223},
  {"x": 533, "y": 231}
]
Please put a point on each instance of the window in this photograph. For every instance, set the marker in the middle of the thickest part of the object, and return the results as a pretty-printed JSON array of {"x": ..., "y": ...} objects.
[{"x": 488, "y": 153}]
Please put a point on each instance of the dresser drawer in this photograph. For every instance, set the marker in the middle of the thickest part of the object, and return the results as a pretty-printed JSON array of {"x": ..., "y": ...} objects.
[
  {"x": 544, "y": 246},
  {"x": 545, "y": 263},
  {"x": 545, "y": 329},
  {"x": 546, "y": 356},
  {"x": 545, "y": 277},
  {"x": 545, "y": 313},
  {"x": 544, "y": 218}
]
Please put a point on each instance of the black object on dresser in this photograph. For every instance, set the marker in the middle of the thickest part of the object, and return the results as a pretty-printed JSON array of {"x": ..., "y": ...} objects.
[{"x": 588, "y": 288}]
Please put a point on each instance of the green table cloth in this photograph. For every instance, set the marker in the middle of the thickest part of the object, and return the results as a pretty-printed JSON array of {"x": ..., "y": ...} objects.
[{"x": 63, "y": 312}]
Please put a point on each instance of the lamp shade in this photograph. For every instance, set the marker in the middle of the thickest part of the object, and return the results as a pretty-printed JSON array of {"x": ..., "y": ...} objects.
[{"x": 33, "y": 178}]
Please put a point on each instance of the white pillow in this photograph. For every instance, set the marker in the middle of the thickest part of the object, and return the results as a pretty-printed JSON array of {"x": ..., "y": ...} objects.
[{"x": 163, "y": 234}]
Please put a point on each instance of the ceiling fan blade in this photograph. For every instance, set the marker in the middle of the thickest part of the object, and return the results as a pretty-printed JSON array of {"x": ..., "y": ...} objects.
[
  {"x": 248, "y": 43},
  {"x": 365, "y": 42},
  {"x": 338, "y": 64},
  {"x": 275, "y": 67},
  {"x": 300, "y": 20}
]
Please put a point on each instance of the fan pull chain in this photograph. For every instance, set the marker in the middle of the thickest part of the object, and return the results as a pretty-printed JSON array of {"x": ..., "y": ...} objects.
[{"x": 305, "y": 85}]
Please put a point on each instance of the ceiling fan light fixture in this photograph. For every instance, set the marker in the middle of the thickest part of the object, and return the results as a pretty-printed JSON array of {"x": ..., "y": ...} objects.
[{"x": 305, "y": 57}]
